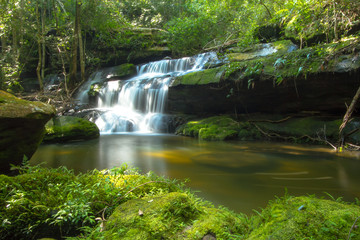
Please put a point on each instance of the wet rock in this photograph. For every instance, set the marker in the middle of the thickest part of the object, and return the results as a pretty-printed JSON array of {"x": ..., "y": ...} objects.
[
  {"x": 67, "y": 128},
  {"x": 283, "y": 82},
  {"x": 21, "y": 128}
]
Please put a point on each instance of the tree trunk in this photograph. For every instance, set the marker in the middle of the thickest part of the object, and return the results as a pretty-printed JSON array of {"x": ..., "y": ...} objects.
[
  {"x": 3, "y": 43},
  {"x": 73, "y": 66},
  {"x": 39, "y": 39},
  {"x": 347, "y": 115},
  {"x": 81, "y": 50},
  {"x": 335, "y": 23},
  {"x": 55, "y": 16},
  {"x": 43, "y": 56},
  {"x": 267, "y": 9}
]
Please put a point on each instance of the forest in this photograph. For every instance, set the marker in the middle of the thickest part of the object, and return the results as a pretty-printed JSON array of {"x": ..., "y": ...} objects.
[
  {"x": 248, "y": 98},
  {"x": 39, "y": 38}
]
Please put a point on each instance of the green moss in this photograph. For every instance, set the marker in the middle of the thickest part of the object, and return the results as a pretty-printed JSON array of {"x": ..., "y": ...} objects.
[
  {"x": 296, "y": 129},
  {"x": 305, "y": 218},
  {"x": 13, "y": 107},
  {"x": 207, "y": 76},
  {"x": 125, "y": 70},
  {"x": 284, "y": 65},
  {"x": 214, "y": 129},
  {"x": 171, "y": 216},
  {"x": 67, "y": 128},
  {"x": 52, "y": 202},
  {"x": 55, "y": 202}
]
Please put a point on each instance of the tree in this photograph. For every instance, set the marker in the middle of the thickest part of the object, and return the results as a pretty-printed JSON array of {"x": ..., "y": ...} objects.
[{"x": 73, "y": 80}]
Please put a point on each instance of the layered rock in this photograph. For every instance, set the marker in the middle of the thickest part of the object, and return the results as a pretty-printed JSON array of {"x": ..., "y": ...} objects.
[
  {"x": 67, "y": 128},
  {"x": 21, "y": 128},
  {"x": 322, "y": 79}
]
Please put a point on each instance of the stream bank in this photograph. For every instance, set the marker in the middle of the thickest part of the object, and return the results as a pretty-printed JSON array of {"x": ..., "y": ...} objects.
[{"x": 120, "y": 203}]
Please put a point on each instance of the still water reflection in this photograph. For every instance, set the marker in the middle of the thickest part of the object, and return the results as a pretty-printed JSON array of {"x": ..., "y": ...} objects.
[{"x": 240, "y": 175}]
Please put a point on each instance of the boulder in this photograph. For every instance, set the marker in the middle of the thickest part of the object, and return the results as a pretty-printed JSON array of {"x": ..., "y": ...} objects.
[
  {"x": 216, "y": 128},
  {"x": 67, "y": 128},
  {"x": 21, "y": 128},
  {"x": 173, "y": 215}
]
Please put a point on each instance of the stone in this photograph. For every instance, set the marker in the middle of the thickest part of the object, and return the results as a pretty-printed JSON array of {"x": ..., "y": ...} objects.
[
  {"x": 287, "y": 81},
  {"x": 21, "y": 128},
  {"x": 68, "y": 128}
]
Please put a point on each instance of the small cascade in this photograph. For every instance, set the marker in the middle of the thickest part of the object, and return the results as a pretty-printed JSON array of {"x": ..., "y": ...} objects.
[{"x": 138, "y": 104}]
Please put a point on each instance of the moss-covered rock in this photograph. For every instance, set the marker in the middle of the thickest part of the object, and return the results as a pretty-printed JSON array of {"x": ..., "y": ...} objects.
[
  {"x": 305, "y": 218},
  {"x": 216, "y": 128},
  {"x": 271, "y": 127},
  {"x": 261, "y": 50},
  {"x": 208, "y": 76},
  {"x": 21, "y": 128},
  {"x": 170, "y": 216},
  {"x": 67, "y": 128}
]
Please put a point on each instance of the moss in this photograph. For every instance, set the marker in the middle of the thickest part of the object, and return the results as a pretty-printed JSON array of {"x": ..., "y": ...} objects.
[
  {"x": 208, "y": 76},
  {"x": 221, "y": 223},
  {"x": 170, "y": 216},
  {"x": 125, "y": 70},
  {"x": 52, "y": 202},
  {"x": 67, "y": 128},
  {"x": 296, "y": 129},
  {"x": 13, "y": 107},
  {"x": 284, "y": 65},
  {"x": 55, "y": 202},
  {"x": 213, "y": 129},
  {"x": 305, "y": 218}
]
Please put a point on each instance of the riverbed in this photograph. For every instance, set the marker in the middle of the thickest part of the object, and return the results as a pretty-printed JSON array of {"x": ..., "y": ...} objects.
[{"x": 239, "y": 175}]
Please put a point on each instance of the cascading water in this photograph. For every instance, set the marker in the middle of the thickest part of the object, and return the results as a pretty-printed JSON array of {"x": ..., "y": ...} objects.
[{"x": 138, "y": 104}]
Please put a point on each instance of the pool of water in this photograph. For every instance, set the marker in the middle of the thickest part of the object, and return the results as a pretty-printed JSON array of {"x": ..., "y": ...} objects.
[{"x": 239, "y": 175}]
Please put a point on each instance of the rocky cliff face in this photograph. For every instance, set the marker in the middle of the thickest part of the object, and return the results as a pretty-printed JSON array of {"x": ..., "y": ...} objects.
[
  {"x": 277, "y": 78},
  {"x": 21, "y": 128}
]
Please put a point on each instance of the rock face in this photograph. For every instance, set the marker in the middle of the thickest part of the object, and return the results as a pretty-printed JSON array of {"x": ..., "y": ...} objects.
[
  {"x": 21, "y": 128},
  {"x": 310, "y": 79},
  {"x": 66, "y": 128}
]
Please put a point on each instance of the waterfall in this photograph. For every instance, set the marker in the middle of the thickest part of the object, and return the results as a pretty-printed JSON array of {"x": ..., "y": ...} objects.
[{"x": 138, "y": 104}]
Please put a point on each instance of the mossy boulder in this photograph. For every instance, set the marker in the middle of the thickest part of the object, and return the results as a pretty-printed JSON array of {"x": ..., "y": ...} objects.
[
  {"x": 208, "y": 76},
  {"x": 170, "y": 216},
  {"x": 125, "y": 70},
  {"x": 306, "y": 218},
  {"x": 21, "y": 128},
  {"x": 216, "y": 128},
  {"x": 67, "y": 128}
]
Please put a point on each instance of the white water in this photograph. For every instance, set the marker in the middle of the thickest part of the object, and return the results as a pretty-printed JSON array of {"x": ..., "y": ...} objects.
[{"x": 138, "y": 104}]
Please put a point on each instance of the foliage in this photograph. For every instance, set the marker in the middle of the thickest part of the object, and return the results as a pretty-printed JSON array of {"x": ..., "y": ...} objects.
[
  {"x": 46, "y": 202},
  {"x": 315, "y": 21},
  {"x": 110, "y": 27}
]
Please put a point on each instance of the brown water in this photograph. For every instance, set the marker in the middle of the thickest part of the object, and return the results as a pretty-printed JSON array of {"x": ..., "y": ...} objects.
[{"x": 239, "y": 175}]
